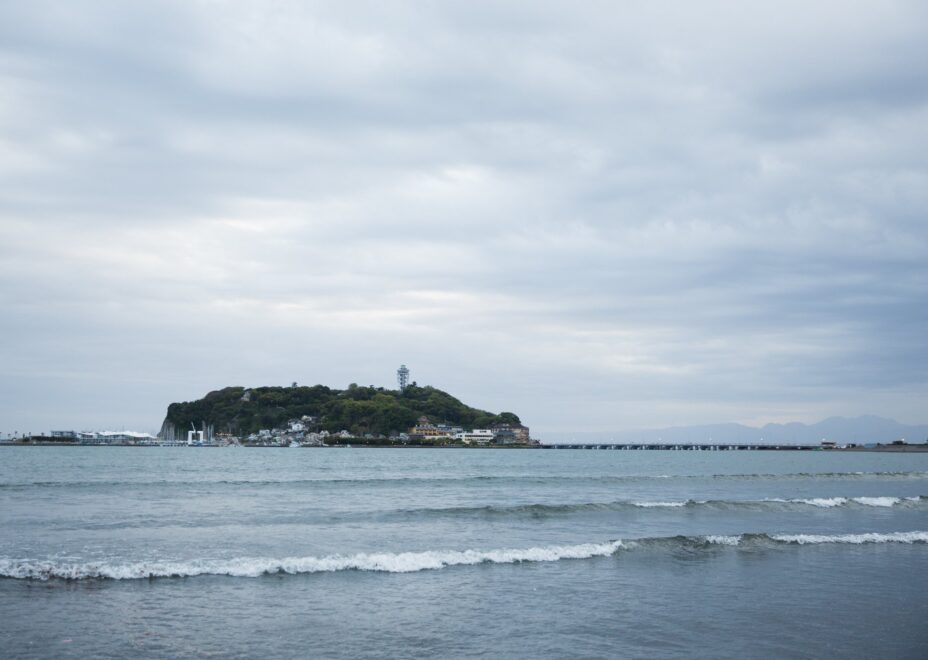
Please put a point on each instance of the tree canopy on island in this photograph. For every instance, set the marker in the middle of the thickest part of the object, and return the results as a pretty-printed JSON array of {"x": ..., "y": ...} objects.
[{"x": 360, "y": 410}]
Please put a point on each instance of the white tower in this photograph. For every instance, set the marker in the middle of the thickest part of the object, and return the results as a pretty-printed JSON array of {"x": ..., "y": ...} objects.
[{"x": 402, "y": 376}]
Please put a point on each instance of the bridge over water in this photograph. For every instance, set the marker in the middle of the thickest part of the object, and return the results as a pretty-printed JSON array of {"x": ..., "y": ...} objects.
[{"x": 680, "y": 447}]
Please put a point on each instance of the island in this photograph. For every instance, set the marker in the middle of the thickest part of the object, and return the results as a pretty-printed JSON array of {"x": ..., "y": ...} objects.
[{"x": 300, "y": 416}]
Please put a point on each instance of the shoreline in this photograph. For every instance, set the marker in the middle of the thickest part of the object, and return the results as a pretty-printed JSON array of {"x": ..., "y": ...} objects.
[{"x": 892, "y": 449}]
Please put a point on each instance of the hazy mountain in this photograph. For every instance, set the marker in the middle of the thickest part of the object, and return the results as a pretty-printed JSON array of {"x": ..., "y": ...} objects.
[{"x": 863, "y": 429}]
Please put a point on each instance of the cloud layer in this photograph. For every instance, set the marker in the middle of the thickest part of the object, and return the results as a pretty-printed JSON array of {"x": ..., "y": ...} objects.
[{"x": 598, "y": 216}]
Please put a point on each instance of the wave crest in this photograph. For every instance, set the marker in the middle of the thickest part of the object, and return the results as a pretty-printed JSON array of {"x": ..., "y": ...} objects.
[
  {"x": 402, "y": 562},
  {"x": 620, "y": 505},
  {"x": 409, "y": 562},
  {"x": 855, "y": 539}
]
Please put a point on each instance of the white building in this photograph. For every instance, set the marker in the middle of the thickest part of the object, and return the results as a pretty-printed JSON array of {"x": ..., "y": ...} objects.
[
  {"x": 116, "y": 437},
  {"x": 477, "y": 437}
]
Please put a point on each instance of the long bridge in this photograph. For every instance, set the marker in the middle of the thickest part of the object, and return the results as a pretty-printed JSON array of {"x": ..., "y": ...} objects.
[{"x": 681, "y": 447}]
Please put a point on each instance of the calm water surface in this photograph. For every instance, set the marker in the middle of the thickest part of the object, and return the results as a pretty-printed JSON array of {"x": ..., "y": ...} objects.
[{"x": 177, "y": 552}]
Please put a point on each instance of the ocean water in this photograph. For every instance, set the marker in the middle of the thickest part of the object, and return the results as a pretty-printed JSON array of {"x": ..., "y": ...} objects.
[{"x": 277, "y": 553}]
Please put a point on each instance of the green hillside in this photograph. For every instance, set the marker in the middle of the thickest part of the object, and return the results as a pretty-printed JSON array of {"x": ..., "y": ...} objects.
[{"x": 360, "y": 410}]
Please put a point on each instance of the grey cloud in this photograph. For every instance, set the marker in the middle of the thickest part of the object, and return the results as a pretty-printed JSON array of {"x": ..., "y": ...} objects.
[{"x": 649, "y": 214}]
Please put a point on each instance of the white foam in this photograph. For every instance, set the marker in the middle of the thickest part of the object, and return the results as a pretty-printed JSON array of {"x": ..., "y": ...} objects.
[
  {"x": 652, "y": 505},
  {"x": 403, "y": 562},
  {"x": 829, "y": 502},
  {"x": 724, "y": 540},
  {"x": 872, "y": 537},
  {"x": 824, "y": 502},
  {"x": 877, "y": 501}
]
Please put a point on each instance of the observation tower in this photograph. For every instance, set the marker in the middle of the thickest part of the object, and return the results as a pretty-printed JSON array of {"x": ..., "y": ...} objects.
[{"x": 402, "y": 377}]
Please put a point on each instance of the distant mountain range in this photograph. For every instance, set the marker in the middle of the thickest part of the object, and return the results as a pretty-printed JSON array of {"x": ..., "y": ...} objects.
[{"x": 866, "y": 429}]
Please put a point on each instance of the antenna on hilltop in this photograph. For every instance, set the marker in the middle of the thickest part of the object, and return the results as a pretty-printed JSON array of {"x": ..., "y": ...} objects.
[{"x": 402, "y": 376}]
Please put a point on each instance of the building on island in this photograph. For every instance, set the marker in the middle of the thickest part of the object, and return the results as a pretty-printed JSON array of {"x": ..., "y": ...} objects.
[
  {"x": 425, "y": 429},
  {"x": 511, "y": 434},
  {"x": 501, "y": 434},
  {"x": 476, "y": 437}
]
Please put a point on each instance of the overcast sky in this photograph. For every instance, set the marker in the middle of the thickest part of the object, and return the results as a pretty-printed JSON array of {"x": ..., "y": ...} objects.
[{"x": 598, "y": 215}]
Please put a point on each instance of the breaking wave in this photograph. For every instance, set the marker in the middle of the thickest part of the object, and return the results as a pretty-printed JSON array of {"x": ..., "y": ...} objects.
[
  {"x": 831, "y": 502},
  {"x": 666, "y": 505},
  {"x": 494, "y": 512},
  {"x": 778, "y": 504},
  {"x": 403, "y": 562},
  {"x": 410, "y": 562},
  {"x": 773, "y": 540}
]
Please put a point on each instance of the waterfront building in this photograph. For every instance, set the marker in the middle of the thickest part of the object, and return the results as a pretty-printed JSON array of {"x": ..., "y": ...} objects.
[
  {"x": 476, "y": 437},
  {"x": 424, "y": 428},
  {"x": 116, "y": 438},
  {"x": 511, "y": 434}
]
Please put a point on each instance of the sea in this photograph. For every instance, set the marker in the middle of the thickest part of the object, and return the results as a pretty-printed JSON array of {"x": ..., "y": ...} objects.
[{"x": 175, "y": 552}]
